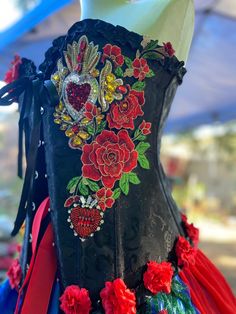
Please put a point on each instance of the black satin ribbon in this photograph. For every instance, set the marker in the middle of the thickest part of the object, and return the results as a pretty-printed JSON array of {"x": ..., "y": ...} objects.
[{"x": 32, "y": 91}]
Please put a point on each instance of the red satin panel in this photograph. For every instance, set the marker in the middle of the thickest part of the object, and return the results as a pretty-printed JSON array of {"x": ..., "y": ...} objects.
[{"x": 209, "y": 291}]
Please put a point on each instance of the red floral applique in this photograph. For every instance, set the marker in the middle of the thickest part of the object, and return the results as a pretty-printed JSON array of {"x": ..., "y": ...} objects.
[
  {"x": 113, "y": 53},
  {"x": 158, "y": 276},
  {"x": 13, "y": 73},
  {"x": 145, "y": 127},
  {"x": 75, "y": 301},
  {"x": 108, "y": 157},
  {"x": 123, "y": 113},
  {"x": 140, "y": 68},
  {"x": 105, "y": 199},
  {"x": 185, "y": 252},
  {"x": 169, "y": 49},
  {"x": 117, "y": 298},
  {"x": 15, "y": 274},
  {"x": 191, "y": 230}
]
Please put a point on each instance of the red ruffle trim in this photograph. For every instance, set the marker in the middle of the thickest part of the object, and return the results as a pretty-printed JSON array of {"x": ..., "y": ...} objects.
[{"x": 209, "y": 291}]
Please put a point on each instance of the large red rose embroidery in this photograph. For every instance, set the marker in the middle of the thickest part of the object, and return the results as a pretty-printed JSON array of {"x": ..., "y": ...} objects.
[
  {"x": 123, "y": 113},
  {"x": 157, "y": 277},
  {"x": 117, "y": 298},
  {"x": 113, "y": 53},
  {"x": 108, "y": 157},
  {"x": 75, "y": 301},
  {"x": 185, "y": 252}
]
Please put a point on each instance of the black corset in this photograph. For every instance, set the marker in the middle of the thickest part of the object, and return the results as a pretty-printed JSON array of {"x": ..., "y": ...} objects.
[{"x": 143, "y": 222}]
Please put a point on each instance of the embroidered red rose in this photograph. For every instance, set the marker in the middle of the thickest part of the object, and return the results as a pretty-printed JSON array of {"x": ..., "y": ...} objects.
[
  {"x": 169, "y": 49},
  {"x": 15, "y": 274},
  {"x": 75, "y": 301},
  {"x": 191, "y": 230},
  {"x": 140, "y": 68},
  {"x": 145, "y": 127},
  {"x": 108, "y": 157},
  {"x": 123, "y": 113},
  {"x": 158, "y": 276},
  {"x": 13, "y": 73},
  {"x": 117, "y": 298},
  {"x": 105, "y": 199},
  {"x": 185, "y": 252},
  {"x": 113, "y": 53}
]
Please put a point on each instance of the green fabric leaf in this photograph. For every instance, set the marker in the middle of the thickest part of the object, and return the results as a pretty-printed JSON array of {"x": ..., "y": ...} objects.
[
  {"x": 90, "y": 129},
  {"x": 83, "y": 188},
  {"x": 143, "y": 161},
  {"x": 92, "y": 185},
  {"x": 124, "y": 184},
  {"x": 116, "y": 193},
  {"x": 128, "y": 62},
  {"x": 101, "y": 126},
  {"x": 139, "y": 86},
  {"x": 150, "y": 73},
  {"x": 71, "y": 186},
  {"x": 142, "y": 147},
  {"x": 133, "y": 178},
  {"x": 152, "y": 45},
  {"x": 119, "y": 72}
]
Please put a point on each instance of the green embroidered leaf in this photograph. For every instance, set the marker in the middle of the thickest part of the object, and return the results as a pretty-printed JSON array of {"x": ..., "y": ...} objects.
[
  {"x": 124, "y": 184},
  {"x": 152, "y": 45},
  {"x": 71, "y": 186},
  {"x": 90, "y": 129},
  {"x": 92, "y": 185},
  {"x": 128, "y": 62},
  {"x": 119, "y": 72},
  {"x": 143, "y": 161},
  {"x": 139, "y": 86},
  {"x": 116, "y": 193},
  {"x": 83, "y": 188},
  {"x": 152, "y": 55},
  {"x": 101, "y": 126},
  {"x": 142, "y": 147},
  {"x": 133, "y": 178},
  {"x": 150, "y": 73},
  {"x": 141, "y": 137}
]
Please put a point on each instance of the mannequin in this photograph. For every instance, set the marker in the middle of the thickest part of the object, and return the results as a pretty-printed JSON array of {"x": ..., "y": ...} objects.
[{"x": 165, "y": 20}]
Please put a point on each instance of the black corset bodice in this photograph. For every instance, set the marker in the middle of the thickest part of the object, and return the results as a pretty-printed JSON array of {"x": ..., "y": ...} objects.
[{"x": 109, "y": 93}]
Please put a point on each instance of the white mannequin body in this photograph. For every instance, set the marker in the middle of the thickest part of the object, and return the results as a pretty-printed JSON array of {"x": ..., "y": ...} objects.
[{"x": 165, "y": 20}]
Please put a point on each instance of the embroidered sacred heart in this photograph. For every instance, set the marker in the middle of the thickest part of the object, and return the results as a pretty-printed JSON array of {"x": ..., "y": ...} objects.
[
  {"x": 76, "y": 91},
  {"x": 85, "y": 221}
]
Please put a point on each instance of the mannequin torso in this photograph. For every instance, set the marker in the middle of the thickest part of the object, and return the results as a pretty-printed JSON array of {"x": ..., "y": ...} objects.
[{"x": 165, "y": 20}]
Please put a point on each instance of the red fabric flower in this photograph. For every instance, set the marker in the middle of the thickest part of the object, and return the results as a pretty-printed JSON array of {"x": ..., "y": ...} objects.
[
  {"x": 108, "y": 157},
  {"x": 113, "y": 53},
  {"x": 185, "y": 252},
  {"x": 122, "y": 114},
  {"x": 191, "y": 230},
  {"x": 13, "y": 73},
  {"x": 145, "y": 127},
  {"x": 15, "y": 274},
  {"x": 140, "y": 68},
  {"x": 117, "y": 299},
  {"x": 75, "y": 300},
  {"x": 105, "y": 199},
  {"x": 91, "y": 111},
  {"x": 169, "y": 49},
  {"x": 158, "y": 276}
]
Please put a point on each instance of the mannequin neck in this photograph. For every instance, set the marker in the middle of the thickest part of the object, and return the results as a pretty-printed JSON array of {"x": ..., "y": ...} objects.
[{"x": 172, "y": 21}]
